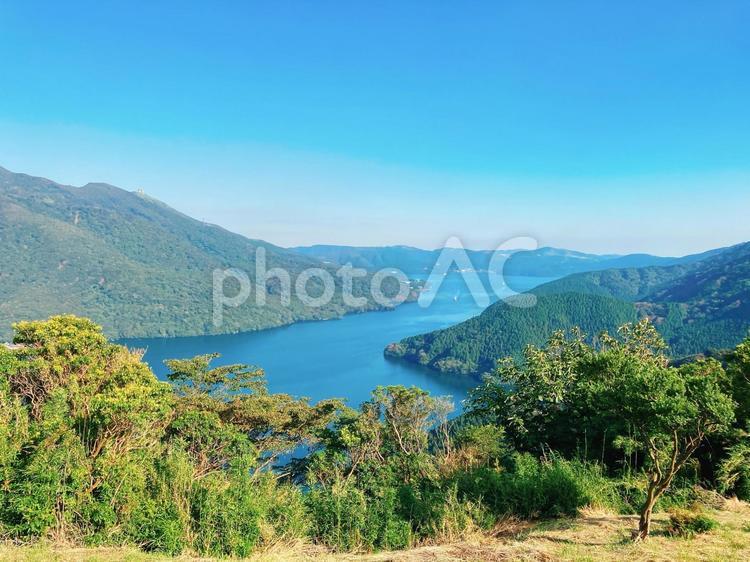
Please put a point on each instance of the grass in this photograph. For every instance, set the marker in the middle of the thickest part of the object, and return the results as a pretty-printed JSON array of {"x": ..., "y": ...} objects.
[{"x": 594, "y": 536}]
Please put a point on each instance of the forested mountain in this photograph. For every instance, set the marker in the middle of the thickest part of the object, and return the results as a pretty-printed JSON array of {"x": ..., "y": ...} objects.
[
  {"x": 630, "y": 284},
  {"x": 543, "y": 262},
  {"x": 502, "y": 329},
  {"x": 405, "y": 258},
  {"x": 131, "y": 263},
  {"x": 697, "y": 306}
]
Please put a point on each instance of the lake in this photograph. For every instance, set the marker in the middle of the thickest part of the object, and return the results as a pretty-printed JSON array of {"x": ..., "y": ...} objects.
[{"x": 339, "y": 358}]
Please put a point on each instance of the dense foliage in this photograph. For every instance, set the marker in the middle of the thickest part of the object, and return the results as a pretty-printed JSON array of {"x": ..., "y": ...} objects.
[
  {"x": 503, "y": 329},
  {"x": 95, "y": 450},
  {"x": 622, "y": 394},
  {"x": 697, "y": 306}
]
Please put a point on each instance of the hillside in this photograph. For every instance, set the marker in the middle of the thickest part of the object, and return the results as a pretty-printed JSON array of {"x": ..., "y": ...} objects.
[
  {"x": 474, "y": 345},
  {"x": 129, "y": 262},
  {"x": 697, "y": 306},
  {"x": 543, "y": 262}
]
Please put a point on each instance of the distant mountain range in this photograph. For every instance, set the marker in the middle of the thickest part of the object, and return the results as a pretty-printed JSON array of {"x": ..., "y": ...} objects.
[
  {"x": 543, "y": 262},
  {"x": 140, "y": 268},
  {"x": 697, "y": 305},
  {"x": 129, "y": 262}
]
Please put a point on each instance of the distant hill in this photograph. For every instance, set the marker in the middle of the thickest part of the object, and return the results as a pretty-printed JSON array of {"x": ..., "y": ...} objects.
[
  {"x": 129, "y": 262},
  {"x": 696, "y": 305},
  {"x": 543, "y": 262},
  {"x": 407, "y": 259}
]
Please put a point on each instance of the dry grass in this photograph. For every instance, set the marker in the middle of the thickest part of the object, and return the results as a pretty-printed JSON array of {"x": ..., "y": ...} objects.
[{"x": 595, "y": 536}]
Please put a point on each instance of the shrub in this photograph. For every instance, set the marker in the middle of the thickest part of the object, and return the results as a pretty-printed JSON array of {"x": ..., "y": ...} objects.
[
  {"x": 689, "y": 522},
  {"x": 631, "y": 489},
  {"x": 734, "y": 471},
  {"x": 481, "y": 445},
  {"x": 530, "y": 488},
  {"x": 345, "y": 518},
  {"x": 284, "y": 515},
  {"x": 157, "y": 513},
  {"x": 227, "y": 513},
  {"x": 157, "y": 526}
]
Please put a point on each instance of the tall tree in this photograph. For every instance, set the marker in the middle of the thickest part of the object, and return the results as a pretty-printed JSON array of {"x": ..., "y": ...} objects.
[{"x": 623, "y": 385}]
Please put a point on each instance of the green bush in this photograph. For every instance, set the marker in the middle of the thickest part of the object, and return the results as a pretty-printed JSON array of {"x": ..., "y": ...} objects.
[
  {"x": 630, "y": 491},
  {"x": 95, "y": 450},
  {"x": 734, "y": 470},
  {"x": 157, "y": 526},
  {"x": 345, "y": 518},
  {"x": 530, "y": 488},
  {"x": 689, "y": 522},
  {"x": 156, "y": 508},
  {"x": 226, "y": 516}
]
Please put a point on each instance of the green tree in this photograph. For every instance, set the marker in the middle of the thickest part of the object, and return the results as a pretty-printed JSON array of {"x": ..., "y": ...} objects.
[
  {"x": 224, "y": 409},
  {"x": 670, "y": 411},
  {"x": 86, "y": 409},
  {"x": 530, "y": 397},
  {"x": 624, "y": 386},
  {"x": 738, "y": 368}
]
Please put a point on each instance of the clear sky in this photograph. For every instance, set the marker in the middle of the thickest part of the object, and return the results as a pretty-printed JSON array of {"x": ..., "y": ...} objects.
[{"x": 599, "y": 126}]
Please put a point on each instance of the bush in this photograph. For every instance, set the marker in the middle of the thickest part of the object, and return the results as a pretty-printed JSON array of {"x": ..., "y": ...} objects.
[
  {"x": 689, "y": 522},
  {"x": 631, "y": 493},
  {"x": 157, "y": 516},
  {"x": 285, "y": 514},
  {"x": 157, "y": 526},
  {"x": 345, "y": 518},
  {"x": 226, "y": 517},
  {"x": 531, "y": 488},
  {"x": 481, "y": 445},
  {"x": 734, "y": 471}
]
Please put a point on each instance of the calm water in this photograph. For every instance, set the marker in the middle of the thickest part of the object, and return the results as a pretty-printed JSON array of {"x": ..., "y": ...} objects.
[{"x": 338, "y": 358}]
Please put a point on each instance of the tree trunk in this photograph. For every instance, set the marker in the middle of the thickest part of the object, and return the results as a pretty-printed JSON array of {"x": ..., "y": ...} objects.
[{"x": 644, "y": 524}]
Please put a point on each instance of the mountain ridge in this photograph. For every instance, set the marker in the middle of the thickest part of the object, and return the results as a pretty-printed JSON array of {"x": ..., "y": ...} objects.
[
  {"x": 546, "y": 261},
  {"x": 131, "y": 263},
  {"x": 697, "y": 306}
]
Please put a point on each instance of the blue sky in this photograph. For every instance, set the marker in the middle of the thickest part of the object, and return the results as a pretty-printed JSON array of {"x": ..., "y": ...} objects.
[{"x": 607, "y": 127}]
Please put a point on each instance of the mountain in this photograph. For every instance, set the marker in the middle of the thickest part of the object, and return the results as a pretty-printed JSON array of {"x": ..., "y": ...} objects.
[
  {"x": 696, "y": 305},
  {"x": 131, "y": 263},
  {"x": 473, "y": 346},
  {"x": 542, "y": 262},
  {"x": 407, "y": 259}
]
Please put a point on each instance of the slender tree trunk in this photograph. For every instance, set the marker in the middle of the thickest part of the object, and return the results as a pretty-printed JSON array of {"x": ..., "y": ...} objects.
[
  {"x": 662, "y": 479},
  {"x": 644, "y": 524}
]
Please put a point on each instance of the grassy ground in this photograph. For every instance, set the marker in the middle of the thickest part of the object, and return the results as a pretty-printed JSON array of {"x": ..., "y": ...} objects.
[{"x": 592, "y": 537}]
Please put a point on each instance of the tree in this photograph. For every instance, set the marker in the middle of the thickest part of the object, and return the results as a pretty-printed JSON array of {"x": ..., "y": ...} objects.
[
  {"x": 224, "y": 409},
  {"x": 738, "y": 369},
  {"x": 623, "y": 386},
  {"x": 669, "y": 410},
  {"x": 530, "y": 396},
  {"x": 194, "y": 379},
  {"x": 84, "y": 411}
]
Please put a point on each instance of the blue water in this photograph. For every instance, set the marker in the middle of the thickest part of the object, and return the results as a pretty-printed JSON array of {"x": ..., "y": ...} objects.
[{"x": 339, "y": 358}]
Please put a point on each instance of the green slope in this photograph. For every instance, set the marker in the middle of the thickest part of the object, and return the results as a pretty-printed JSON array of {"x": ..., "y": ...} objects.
[
  {"x": 129, "y": 262},
  {"x": 630, "y": 284},
  {"x": 696, "y": 305},
  {"x": 502, "y": 329}
]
